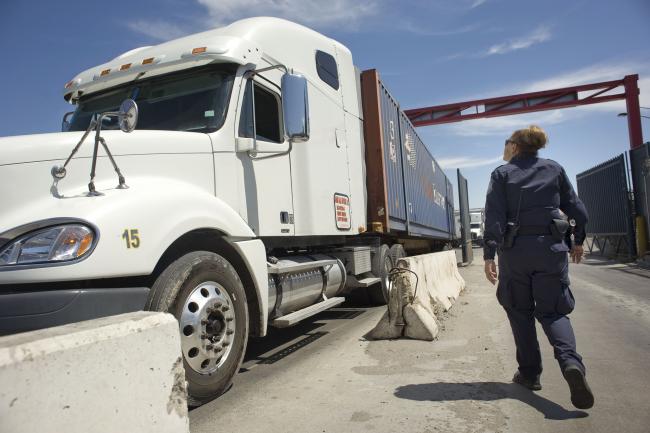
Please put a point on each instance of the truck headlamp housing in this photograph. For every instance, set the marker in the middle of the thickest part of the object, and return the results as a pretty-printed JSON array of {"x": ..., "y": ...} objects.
[{"x": 50, "y": 245}]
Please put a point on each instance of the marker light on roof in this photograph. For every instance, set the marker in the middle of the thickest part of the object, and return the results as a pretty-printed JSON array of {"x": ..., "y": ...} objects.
[
  {"x": 199, "y": 50},
  {"x": 104, "y": 72},
  {"x": 148, "y": 61},
  {"x": 125, "y": 66},
  {"x": 69, "y": 84}
]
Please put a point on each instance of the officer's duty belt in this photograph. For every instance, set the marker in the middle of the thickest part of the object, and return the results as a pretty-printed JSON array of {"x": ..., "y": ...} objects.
[{"x": 533, "y": 231}]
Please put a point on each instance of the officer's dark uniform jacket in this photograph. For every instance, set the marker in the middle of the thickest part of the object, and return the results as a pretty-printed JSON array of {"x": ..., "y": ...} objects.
[
  {"x": 539, "y": 188},
  {"x": 533, "y": 273}
]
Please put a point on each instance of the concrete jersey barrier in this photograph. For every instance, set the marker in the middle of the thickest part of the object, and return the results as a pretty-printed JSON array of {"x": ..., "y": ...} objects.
[
  {"x": 415, "y": 301},
  {"x": 116, "y": 374},
  {"x": 439, "y": 281}
]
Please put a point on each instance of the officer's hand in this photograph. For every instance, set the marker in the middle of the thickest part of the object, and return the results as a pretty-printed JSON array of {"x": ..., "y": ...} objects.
[
  {"x": 576, "y": 253},
  {"x": 491, "y": 271}
]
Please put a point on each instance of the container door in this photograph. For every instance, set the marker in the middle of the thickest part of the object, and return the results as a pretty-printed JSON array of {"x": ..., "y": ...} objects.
[
  {"x": 393, "y": 161},
  {"x": 465, "y": 234}
]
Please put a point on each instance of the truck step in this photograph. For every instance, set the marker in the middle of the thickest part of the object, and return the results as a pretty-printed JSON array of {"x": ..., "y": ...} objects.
[
  {"x": 297, "y": 316},
  {"x": 363, "y": 282}
]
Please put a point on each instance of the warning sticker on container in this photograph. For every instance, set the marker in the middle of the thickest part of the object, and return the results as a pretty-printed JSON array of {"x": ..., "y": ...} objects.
[{"x": 342, "y": 211}]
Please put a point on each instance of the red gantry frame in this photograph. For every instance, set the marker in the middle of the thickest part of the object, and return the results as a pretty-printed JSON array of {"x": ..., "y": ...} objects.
[{"x": 538, "y": 101}]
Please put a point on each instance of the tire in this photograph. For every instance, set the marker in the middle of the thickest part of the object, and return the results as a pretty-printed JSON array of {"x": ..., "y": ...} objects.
[
  {"x": 203, "y": 291},
  {"x": 381, "y": 265},
  {"x": 396, "y": 252}
]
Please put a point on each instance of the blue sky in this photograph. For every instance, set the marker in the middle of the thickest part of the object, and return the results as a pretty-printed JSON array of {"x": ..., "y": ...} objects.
[{"x": 427, "y": 52}]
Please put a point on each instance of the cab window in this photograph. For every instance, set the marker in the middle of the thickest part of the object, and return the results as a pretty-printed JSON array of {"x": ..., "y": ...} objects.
[
  {"x": 327, "y": 70},
  {"x": 264, "y": 107}
]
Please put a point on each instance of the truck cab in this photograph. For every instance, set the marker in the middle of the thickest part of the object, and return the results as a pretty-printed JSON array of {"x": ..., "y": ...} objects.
[{"x": 220, "y": 177}]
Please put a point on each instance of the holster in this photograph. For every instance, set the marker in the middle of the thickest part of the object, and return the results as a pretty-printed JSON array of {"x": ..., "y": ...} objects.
[
  {"x": 509, "y": 236},
  {"x": 559, "y": 228}
]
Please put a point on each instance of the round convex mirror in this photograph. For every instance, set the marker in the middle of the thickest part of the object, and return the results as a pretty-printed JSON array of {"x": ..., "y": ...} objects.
[{"x": 128, "y": 115}]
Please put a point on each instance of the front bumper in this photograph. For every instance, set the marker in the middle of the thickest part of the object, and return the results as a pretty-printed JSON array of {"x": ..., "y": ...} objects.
[{"x": 30, "y": 310}]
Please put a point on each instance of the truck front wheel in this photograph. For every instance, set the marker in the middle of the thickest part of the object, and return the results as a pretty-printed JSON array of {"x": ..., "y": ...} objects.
[{"x": 203, "y": 291}]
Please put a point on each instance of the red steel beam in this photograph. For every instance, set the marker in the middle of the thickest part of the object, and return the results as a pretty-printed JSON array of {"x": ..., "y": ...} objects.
[
  {"x": 633, "y": 112},
  {"x": 543, "y": 100}
]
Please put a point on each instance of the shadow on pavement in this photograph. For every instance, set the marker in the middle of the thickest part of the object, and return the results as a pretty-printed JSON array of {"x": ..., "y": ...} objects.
[
  {"x": 486, "y": 391},
  {"x": 628, "y": 268},
  {"x": 280, "y": 343}
]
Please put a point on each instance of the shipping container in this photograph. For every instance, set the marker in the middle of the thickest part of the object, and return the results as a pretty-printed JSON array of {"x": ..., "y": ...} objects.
[{"x": 408, "y": 192}]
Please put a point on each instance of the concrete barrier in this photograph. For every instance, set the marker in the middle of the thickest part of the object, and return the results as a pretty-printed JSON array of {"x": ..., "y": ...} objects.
[
  {"x": 116, "y": 374},
  {"x": 433, "y": 284},
  {"x": 439, "y": 281}
]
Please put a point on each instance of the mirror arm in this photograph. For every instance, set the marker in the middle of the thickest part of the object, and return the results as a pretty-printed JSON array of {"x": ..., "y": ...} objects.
[
  {"x": 270, "y": 68},
  {"x": 286, "y": 152},
  {"x": 59, "y": 172},
  {"x": 98, "y": 140},
  {"x": 128, "y": 110},
  {"x": 250, "y": 74}
]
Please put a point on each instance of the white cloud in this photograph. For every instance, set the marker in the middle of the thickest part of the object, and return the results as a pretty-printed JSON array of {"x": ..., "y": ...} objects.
[
  {"x": 598, "y": 73},
  {"x": 311, "y": 12},
  {"x": 477, "y": 3},
  {"x": 160, "y": 30},
  {"x": 503, "y": 126},
  {"x": 539, "y": 35},
  {"x": 588, "y": 74},
  {"x": 467, "y": 162},
  {"x": 222, "y": 12}
]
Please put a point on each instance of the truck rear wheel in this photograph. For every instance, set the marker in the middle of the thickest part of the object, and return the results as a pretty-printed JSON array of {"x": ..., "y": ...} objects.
[
  {"x": 381, "y": 266},
  {"x": 396, "y": 252},
  {"x": 203, "y": 291}
]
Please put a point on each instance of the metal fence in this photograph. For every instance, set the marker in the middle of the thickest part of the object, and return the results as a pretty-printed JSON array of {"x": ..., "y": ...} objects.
[{"x": 604, "y": 189}]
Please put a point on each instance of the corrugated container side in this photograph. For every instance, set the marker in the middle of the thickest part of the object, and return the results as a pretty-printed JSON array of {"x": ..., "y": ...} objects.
[{"x": 426, "y": 186}]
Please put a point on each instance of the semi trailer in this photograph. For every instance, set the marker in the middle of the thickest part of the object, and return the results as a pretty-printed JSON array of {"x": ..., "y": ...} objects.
[{"x": 240, "y": 178}]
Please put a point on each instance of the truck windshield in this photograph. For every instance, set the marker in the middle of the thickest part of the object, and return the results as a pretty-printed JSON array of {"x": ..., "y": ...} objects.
[{"x": 194, "y": 100}]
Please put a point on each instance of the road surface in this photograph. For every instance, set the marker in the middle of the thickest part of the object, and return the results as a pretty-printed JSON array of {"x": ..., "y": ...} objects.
[{"x": 323, "y": 376}]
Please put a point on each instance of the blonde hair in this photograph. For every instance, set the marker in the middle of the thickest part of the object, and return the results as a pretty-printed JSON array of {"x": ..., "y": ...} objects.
[{"x": 529, "y": 140}]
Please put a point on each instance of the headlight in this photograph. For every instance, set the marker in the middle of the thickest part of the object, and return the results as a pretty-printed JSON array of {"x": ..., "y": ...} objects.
[{"x": 50, "y": 245}]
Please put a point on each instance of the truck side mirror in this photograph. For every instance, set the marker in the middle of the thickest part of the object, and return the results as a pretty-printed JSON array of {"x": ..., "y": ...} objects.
[
  {"x": 128, "y": 115},
  {"x": 295, "y": 107},
  {"x": 65, "y": 123}
]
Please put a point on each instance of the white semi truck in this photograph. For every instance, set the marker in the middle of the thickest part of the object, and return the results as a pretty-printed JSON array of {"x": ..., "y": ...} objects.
[
  {"x": 477, "y": 225},
  {"x": 265, "y": 178}
]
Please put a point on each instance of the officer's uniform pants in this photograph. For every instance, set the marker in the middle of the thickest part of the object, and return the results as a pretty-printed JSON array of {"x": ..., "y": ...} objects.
[{"x": 534, "y": 283}]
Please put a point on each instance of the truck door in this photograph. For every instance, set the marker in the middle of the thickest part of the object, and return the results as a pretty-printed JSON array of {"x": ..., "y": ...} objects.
[
  {"x": 319, "y": 167},
  {"x": 267, "y": 174}
]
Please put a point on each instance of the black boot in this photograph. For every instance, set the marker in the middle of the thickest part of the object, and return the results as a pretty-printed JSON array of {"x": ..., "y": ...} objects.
[
  {"x": 532, "y": 384},
  {"x": 581, "y": 395}
]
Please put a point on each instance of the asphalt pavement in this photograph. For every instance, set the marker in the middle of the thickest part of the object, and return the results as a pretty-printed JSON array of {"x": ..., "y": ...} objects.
[{"x": 323, "y": 376}]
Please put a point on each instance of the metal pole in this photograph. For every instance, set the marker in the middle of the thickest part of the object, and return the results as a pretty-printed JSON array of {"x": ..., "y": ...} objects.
[{"x": 630, "y": 82}]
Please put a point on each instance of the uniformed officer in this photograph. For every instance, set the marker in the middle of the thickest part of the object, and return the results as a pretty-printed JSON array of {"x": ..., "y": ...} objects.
[{"x": 525, "y": 221}]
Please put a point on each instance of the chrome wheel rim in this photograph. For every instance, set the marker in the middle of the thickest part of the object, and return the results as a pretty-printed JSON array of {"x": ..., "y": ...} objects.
[{"x": 207, "y": 327}]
